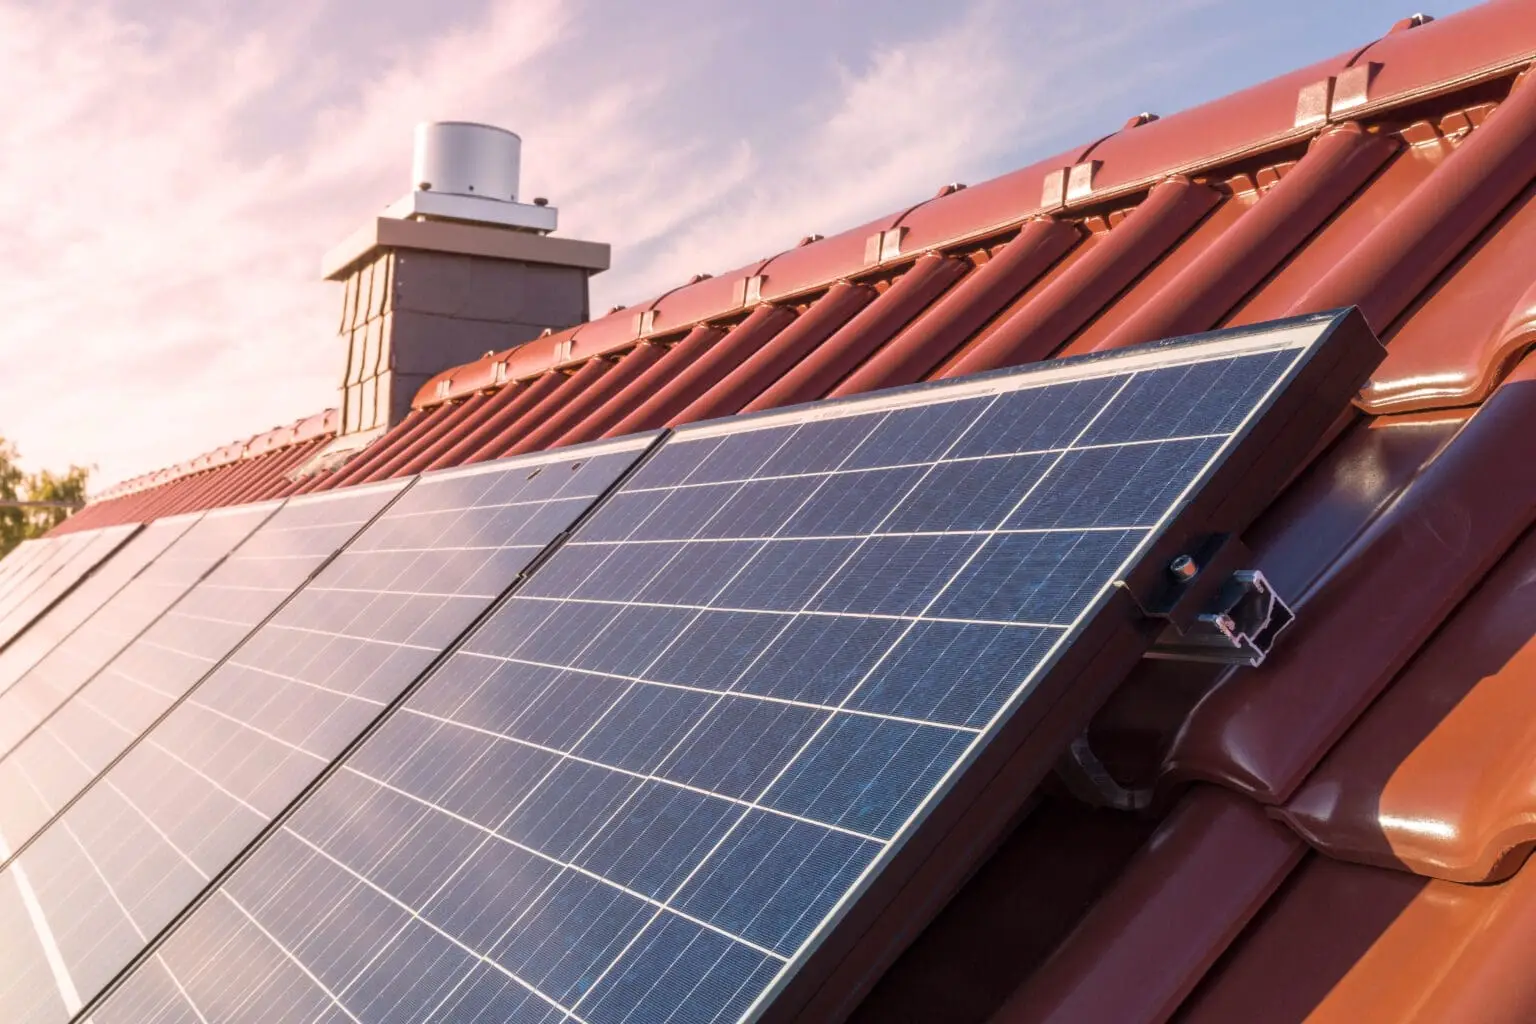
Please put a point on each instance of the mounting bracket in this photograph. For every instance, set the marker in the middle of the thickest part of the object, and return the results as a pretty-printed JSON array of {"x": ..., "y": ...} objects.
[
  {"x": 1238, "y": 628},
  {"x": 1214, "y": 610}
]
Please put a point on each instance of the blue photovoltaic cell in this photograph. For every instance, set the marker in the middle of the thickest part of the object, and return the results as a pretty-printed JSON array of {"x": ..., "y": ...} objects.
[
  {"x": 18, "y": 559},
  {"x": 94, "y": 548},
  {"x": 79, "y": 656},
  {"x": 654, "y": 777},
  {"x": 52, "y": 554},
  {"x": 70, "y": 614},
  {"x": 146, "y": 837},
  {"x": 85, "y": 733},
  {"x": 30, "y": 555}
]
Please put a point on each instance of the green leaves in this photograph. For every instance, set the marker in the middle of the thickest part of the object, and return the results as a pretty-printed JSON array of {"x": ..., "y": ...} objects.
[{"x": 20, "y": 523}]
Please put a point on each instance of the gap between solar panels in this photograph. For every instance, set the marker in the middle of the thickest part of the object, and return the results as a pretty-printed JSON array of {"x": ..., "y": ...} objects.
[
  {"x": 162, "y": 563},
  {"x": 276, "y": 548},
  {"x": 746, "y": 729},
  {"x": 416, "y": 576},
  {"x": 77, "y": 610},
  {"x": 29, "y": 604}
]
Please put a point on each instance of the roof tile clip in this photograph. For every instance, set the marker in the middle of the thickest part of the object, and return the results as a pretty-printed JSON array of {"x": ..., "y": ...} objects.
[
  {"x": 748, "y": 291},
  {"x": 883, "y": 245},
  {"x": 1313, "y": 103},
  {"x": 1352, "y": 87},
  {"x": 1080, "y": 180},
  {"x": 1053, "y": 191}
]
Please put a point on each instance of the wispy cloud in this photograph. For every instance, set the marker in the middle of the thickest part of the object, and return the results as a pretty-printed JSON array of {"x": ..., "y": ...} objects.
[{"x": 171, "y": 182}]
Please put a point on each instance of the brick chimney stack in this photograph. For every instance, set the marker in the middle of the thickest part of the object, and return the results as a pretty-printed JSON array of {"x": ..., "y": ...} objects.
[{"x": 455, "y": 269}]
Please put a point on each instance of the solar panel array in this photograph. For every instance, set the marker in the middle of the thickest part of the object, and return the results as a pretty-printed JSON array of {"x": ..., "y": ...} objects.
[
  {"x": 657, "y": 776},
  {"x": 180, "y": 803},
  {"x": 71, "y": 664},
  {"x": 88, "y": 598},
  {"x": 45, "y": 558},
  {"x": 617, "y": 733},
  {"x": 16, "y": 562},
  {"x": 93, "y": 548},
  {"x": 86, "y": 733}
]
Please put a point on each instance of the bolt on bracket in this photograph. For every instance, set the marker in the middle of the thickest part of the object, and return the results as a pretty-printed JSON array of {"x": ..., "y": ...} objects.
[{"x": 1237, "y": 627}]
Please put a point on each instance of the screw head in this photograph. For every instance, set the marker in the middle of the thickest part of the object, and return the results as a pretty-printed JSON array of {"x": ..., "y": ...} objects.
[{"x": 1184, "y": 568}]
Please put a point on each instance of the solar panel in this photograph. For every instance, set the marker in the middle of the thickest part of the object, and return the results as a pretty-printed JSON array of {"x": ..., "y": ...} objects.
[
  {"x": 86, "y": 733},
  {"x": 678, "y": 770},
  {"x": 89, "y": 648},
  {"x": 95, "y": 548},
  {"x": 123, "y": 860},
  {"x": 20, "y": 558},
  {"x": 71, "y": 613},
  {"x": 51, "y": 557}
]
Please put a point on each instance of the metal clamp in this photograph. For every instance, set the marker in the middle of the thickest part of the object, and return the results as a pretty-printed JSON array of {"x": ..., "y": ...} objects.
[{"x": 1238, "y": 626}]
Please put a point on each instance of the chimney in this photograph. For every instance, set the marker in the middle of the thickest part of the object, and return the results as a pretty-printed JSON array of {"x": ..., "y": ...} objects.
[{"x": 456, "y": 268}]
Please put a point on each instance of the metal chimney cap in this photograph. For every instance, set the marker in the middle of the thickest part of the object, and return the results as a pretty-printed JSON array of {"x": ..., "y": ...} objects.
[
  {"x": 466, "y": 171},
  {"x": 467, "y": 159}
]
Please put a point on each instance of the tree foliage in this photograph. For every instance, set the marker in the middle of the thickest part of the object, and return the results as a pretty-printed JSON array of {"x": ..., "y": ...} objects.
[{"x": 16, "y": 485}]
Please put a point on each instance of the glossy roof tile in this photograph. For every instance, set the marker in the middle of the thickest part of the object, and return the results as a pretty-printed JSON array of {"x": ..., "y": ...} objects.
[
  {"x": 1345, "y": 943},
  {"x": 1306, "y": 830},
  {"x": 1440, "y": 776},
  {"x": 1203, "y": 875}
]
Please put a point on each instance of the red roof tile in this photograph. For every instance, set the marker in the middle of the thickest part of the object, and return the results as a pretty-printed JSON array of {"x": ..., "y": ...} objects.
[
  {"x": 1440, "y": 777},
  {"x": 1311, "y": 825},
  {"x": 1343, "y": 943}
]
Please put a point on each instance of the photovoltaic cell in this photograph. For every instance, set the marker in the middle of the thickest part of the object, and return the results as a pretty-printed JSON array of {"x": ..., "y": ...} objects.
[
  {"x": 21, "y": 560},
  {"x": 144, "y": 840},
  {"x": 657, "y": 776},
  {"x": 86, "y": 599},
  {"x": 96, "y": 547},
  {"x": 88, "y": 649},
  {"x": 52, "y": 555},
  {"x": 87, "y": 732}
]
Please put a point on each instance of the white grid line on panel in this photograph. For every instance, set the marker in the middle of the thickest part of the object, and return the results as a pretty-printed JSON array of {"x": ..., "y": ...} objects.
[
  {"x": 744, "y": 694},
  {"x": 53, "y": 956},
  {"x": 571, "y": 866},
  {"x": 85, "y": 855},
  {"x": 568, "y": 755},
  {"x": 767, "y": 788},
  {"x": 786, "y": 613},
  {"x": 481, "y": 957},
  {"x": 893, "y": 535},
  {"x": 354, "y": 637},
  {"x": 925, "y": 464}
]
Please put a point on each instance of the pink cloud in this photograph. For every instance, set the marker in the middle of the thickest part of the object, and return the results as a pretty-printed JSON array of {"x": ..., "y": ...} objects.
[{"x": 170, "y": 187}]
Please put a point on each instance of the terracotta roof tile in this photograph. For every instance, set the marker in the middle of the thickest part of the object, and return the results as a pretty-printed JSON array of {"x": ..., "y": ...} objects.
[
  {"x": 1345, "y": 943},
  {"x": 780, "y": 353},
  {"x": 1201, "y": 877},
  {"x": 912, "y": 354},
  {"x": 1440, "y": 775},
  {"x": 660, "y": 406}
]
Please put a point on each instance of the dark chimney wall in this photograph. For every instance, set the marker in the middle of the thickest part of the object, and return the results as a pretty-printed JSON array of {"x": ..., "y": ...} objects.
[{"x": 409, "y": 314}]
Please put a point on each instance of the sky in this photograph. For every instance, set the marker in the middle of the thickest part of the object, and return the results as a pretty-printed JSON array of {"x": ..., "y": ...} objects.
[{"x": 173, "y": 171}]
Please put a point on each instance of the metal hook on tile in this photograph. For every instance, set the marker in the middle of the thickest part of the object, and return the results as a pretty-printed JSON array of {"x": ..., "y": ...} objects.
[{"x": 1087, "y": 778}]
